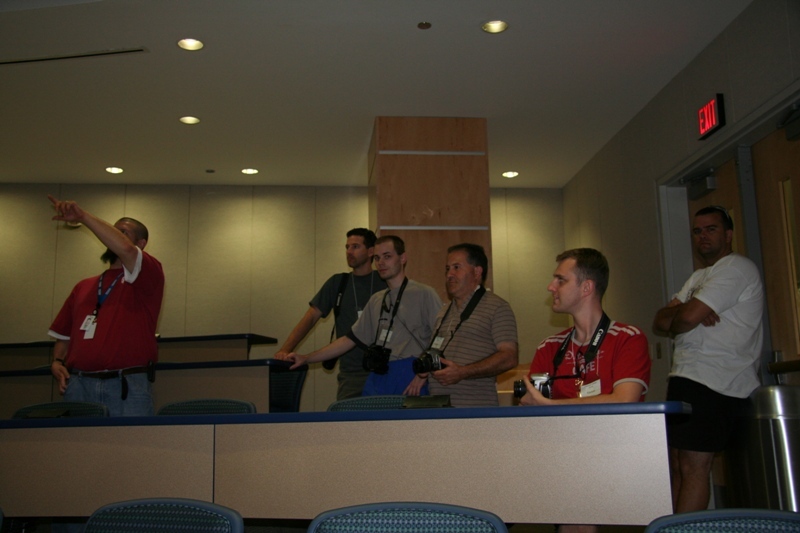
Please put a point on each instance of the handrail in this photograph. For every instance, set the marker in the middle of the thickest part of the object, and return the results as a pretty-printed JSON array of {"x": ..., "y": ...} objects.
[{"x": 785, "y": 367}]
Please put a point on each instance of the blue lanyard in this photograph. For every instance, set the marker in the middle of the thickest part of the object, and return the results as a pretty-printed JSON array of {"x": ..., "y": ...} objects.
[{"x": 101, "y": 297}]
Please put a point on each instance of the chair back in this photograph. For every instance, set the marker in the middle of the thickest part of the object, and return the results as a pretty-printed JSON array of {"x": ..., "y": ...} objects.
[
  {"x": 207, "y": 406},
  {"x": 727, "y": 520},
  {"x": 368, "y": 403},
  {"x": 285, "y": 387},
  {"x": 62, "y": 410},
  {"x": 163, "y": 515},
  {"x": 407, "y": 517}
]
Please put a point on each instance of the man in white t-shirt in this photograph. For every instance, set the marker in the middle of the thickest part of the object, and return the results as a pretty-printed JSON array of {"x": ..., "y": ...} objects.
[{"x": 716, "y": 321}]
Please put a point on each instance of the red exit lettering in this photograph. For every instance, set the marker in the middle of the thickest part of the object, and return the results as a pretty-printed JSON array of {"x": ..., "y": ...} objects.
[
  {"x": 710, "y": 117},
  {"x": 707, "y": 117}
]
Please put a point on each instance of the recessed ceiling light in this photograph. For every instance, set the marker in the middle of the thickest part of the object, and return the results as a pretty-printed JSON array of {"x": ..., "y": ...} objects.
[
  {"x": 249, "y": 171},
  {"x": 510, "y": 174},
  {"x": 494, "y": 26},
  {"x": 424, "y": 25},
  {"x": 190, "y": 120},
  {"x": 190, "y": 44},
  {"x": 114, "y": 170}
]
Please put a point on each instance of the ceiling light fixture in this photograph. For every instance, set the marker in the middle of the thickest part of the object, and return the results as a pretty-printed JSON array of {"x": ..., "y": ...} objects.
[
  {"x": 114, "y": 170},
  {"x": 494, "y": 26},
  {"x": 424, "y": 25},
  {"x": 190, "y": 120},
  {"x": 510, "y": 174},
  {"x": 249, "y": 171},
  {"x": 190, "y": 44}
]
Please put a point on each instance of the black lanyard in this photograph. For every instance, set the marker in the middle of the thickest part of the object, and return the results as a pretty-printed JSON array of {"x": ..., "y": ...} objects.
[
  {"x": 101, "y": 296},
  {"x": 395, "y": 307},
  {"x": 591, "y": 353},
  {"x": 465, "y": 314}
]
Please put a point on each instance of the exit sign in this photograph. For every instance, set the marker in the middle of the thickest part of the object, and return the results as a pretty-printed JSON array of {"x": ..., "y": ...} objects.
[{"x": 711, "y": 116}]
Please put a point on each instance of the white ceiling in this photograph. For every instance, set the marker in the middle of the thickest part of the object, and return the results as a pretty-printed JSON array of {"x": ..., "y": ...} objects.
[{"x": 291, "y": 87}]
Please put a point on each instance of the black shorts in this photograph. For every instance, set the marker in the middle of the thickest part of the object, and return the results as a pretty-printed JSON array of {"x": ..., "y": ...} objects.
[{"x": 713, "y": 420}]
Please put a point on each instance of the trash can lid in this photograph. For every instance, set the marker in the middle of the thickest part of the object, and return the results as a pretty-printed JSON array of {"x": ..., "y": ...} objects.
[{"x": 776, "y": 401}]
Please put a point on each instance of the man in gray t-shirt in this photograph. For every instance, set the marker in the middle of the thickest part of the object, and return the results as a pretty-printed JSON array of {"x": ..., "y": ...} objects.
[{"x": 396, "y": 323}]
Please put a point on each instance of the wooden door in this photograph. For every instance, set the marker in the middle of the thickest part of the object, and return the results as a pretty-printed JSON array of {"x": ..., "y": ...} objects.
[{"x": 776, "y": 167}]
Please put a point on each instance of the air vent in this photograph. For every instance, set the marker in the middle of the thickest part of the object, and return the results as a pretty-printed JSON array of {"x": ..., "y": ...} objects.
[{"x": 99, "y": 53}]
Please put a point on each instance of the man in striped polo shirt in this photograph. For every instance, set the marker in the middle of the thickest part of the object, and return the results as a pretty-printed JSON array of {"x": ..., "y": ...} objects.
[{"x": 475, "y": 336}]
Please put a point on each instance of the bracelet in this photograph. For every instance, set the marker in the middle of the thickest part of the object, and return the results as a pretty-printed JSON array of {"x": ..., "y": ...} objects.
[{"x": 59, "y": 360}]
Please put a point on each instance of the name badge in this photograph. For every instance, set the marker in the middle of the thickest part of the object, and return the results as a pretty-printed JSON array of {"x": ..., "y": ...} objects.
[
  {"x": 438, "y": 342},
  {"x": 590, "y": 389},
  {"x": 385, "y": 336},
  {"x": 88, "y": 326}
]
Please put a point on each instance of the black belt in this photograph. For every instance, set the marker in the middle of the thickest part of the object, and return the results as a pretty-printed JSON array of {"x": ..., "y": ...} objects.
[
  {"x": 150, "y": 369},
  {"x": 108, "y": 374}
]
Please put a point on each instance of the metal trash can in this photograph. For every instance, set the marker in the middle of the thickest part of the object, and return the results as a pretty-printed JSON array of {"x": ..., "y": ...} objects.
[{"x": 764, "y": 465}]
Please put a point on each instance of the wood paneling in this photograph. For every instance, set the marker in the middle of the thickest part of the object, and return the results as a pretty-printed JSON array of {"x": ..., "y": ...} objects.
[
  {"x": 439, "y": 178},
  {"x": 775, "y": 162}
]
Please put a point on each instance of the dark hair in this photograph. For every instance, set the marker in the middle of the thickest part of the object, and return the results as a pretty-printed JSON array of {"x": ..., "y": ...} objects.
[
  {"x": 727, "y": 221},
  {"x": 589, "y": 264},
  {"x": 366, "y": 234},
  {"x": 476, "y": 256},
  {"x": 138, "y": 228},
  {"x": 399, "y": 245}
]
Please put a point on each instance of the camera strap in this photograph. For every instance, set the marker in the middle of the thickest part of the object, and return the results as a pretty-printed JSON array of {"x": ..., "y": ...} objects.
[
  {"x": 465, "y": 314},
  {"x": 338, "y": 304},
  {"x": 591, "y": 353},
  {"x": 330, "y": 363},
  {"x": 395, "y": 307}
]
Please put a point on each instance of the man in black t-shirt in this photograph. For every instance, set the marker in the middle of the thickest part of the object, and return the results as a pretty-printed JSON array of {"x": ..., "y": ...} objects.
[{"x": 352, "y": 295}]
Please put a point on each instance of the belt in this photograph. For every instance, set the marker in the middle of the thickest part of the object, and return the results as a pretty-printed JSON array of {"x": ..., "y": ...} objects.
[
  {"x": 108, "y": 374},
  {"x": 150, "y": 369}
]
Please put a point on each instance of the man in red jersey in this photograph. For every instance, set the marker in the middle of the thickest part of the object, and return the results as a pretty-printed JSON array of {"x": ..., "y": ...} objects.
[
  {"x": 105, "y": 332},
  {"x": 598, "y": 360}
]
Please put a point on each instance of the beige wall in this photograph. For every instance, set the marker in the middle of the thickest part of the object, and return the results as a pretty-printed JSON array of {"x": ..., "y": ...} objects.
[{"x": 246, "y": 259}]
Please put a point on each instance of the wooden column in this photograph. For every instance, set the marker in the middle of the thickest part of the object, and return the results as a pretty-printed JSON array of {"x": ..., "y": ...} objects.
[{"x": 429, "y": 185}]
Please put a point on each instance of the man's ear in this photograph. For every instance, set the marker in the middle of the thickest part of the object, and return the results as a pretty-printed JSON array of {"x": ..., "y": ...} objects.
[
  {"x": 588, "y": 286},
  {"x": 141, "y": 243}
]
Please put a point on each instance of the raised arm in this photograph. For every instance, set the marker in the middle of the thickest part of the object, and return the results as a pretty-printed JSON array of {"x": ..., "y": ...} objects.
[{"x": 124, "y": 244}]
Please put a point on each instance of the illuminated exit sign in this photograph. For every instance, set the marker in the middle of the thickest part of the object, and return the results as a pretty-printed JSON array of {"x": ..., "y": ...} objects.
[{"x": 711, "y": 117}]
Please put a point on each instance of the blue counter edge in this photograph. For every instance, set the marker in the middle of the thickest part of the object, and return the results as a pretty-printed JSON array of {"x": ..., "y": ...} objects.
[
  {"x": 45, "y": 370},
  {"x": 664, "y": 408}
]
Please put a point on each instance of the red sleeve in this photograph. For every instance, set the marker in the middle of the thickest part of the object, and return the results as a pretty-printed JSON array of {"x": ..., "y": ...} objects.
[{"x": 632, "y": 360}]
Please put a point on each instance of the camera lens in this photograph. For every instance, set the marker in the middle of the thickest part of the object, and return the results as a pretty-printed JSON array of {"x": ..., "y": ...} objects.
[
  {"x": 422, "y": 364},
  {"x": 519, "y": 388}
]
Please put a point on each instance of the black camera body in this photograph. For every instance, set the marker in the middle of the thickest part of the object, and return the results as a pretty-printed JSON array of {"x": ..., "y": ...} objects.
[
  {"x": 540, "y": 382},
  {"x": 376, "y": 359},
  {"x": 430, "y": 361}
]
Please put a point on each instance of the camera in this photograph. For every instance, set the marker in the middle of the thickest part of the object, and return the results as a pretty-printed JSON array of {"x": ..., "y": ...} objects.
[
  {"x": 541, "y": 382},
  {"x": 430, "y": 361},
  {"x": 376, "y": 359}
]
